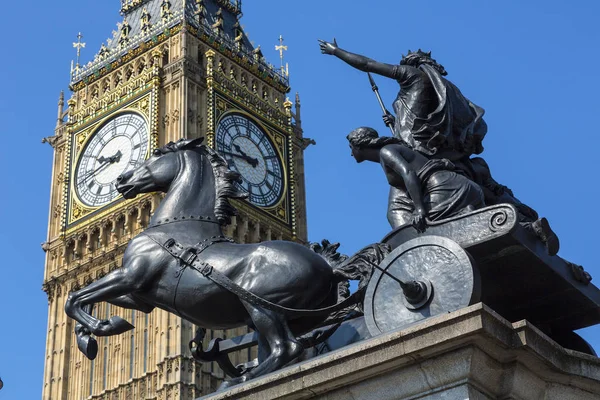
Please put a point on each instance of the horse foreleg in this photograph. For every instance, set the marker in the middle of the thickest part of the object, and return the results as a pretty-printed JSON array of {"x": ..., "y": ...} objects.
[
  {"x": 114, "y": 285},
  {"x": 86, "y": 344},
  {"x": 131, "y": 302},
  {"x": 274, "y": 330}
]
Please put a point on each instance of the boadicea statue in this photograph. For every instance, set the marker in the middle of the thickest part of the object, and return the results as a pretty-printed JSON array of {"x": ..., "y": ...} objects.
[
  {"x": 458, "y": 237},
  {"x": 438, "y": 191},
  {"x": 434, "y": 121}
]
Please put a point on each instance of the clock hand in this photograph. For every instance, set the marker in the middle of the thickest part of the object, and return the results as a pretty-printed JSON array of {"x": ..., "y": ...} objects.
[
  {"x": 239, "y": 150},
  {"x": 250, "y": 160},
  {"x": 114, "y": 158},
  {"x": 91, "y": 173},
  {"x": 104, "y": 162}
]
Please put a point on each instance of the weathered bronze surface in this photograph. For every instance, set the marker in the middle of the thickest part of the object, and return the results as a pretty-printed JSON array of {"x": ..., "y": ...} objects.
[{"x": 458, "y": 237}]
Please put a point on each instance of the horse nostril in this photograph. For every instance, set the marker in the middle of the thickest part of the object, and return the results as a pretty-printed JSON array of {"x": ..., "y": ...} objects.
[{"x": 119, "y": 178}]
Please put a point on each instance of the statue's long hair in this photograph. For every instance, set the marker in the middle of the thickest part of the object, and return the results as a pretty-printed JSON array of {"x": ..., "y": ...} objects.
[{"x": 417, "y": 58}]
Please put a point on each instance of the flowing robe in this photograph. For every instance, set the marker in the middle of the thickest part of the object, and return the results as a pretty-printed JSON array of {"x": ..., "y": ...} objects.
[
  {"x": 434, "y": 117},
  {"x": 445, "y": 192}
]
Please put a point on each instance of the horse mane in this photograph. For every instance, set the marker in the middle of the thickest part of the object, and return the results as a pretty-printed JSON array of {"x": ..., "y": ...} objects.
[
  {"x": 225, "y": 187},
  {"x": 225, "y": 178}
]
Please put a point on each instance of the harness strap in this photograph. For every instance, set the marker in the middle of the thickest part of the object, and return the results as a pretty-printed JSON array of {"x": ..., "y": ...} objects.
[{"x": 189, "y": 258}]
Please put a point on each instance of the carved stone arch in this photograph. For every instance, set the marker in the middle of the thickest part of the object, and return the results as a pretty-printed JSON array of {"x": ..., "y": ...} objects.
[
  {"x": 117, "y": 78},
  {"x": 129, "y": 72},
  {"x": 70, "y": 251},
  {"x": 220, "y": 64},
  {"x": 119, "y": 217},
  {"x": 165, "y": 51},
  {"x": 145, "y": 213},
  {"x": 101, "y": 273},
  {"x": 140, "y": 65},
  {"x": 146, "y": 204},
  {"x": 234, "y": 72},
  {"x": 94, "y": 229},
  {"x": 118, "y": 228},
  {"x": 105, "y": 223},
  {"x": 75, "y": 286},
  {"x": 95, "y": 91},
  {"x": 148, "y": 59},
  {"x": 82, "y": 242},
  {"x": 106, "y": 85}
]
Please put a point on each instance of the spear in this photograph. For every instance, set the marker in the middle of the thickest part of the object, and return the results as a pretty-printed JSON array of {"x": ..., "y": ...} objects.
[{"x": 376, "y": 90}]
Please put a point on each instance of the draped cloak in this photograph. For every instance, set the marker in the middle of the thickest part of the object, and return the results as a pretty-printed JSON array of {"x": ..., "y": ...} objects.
[
  {"x": 445, "y": 192},
  {"x": 455, "y": 127}
]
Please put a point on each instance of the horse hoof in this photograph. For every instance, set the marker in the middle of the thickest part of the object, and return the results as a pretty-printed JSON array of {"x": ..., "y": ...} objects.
[
  {"x": 118, "y": 325},
  {"x": 88, "y": 346}
]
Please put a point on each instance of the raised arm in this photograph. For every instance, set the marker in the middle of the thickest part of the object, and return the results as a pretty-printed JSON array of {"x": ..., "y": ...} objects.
[{"x": 361, "y": 62}]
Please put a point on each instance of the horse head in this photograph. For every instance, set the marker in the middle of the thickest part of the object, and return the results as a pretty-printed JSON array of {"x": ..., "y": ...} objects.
[
  {"x": 182, "y": 167},
  {"x": 156, "y": 173}
]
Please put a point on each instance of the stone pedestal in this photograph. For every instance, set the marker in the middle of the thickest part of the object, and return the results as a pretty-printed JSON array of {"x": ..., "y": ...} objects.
[{"x": 469, "y": 354}]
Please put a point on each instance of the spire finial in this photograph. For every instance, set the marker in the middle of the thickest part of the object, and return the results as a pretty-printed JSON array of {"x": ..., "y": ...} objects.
[
  {"x": 281, "y": 48},
  {"x": 61, "y": 106},
  {"x": 78, "y": 45}
]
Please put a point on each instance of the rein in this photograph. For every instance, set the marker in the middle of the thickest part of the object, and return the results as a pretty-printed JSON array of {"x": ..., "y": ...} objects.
[
  {"x": 183, "y": 254},
  {"x": 189, "y": 258}
]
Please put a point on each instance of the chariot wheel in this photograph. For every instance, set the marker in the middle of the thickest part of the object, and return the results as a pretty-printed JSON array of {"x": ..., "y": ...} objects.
[{"x": 423, "y": 277}]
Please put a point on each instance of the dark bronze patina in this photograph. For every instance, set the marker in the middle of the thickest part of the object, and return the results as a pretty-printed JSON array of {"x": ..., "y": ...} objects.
[
  {"x": 458, "y": 237},
  {"x": 183, "y": 264}
]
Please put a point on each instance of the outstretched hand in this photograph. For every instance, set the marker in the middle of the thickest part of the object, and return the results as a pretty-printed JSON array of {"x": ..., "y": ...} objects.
[{"x": 328, "y": 48}]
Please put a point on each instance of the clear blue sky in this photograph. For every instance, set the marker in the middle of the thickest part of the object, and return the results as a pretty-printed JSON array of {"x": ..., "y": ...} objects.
[{"x": 532, "y": 65}]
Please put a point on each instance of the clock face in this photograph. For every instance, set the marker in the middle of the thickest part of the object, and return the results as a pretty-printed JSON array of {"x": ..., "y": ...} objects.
[
  {"x": 119, "y": 145},
  {"x": 249, "y": 151}
]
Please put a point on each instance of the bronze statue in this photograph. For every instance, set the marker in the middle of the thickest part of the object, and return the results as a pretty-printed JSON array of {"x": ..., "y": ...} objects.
[
  {"x": 474, "y": 248},
  {"x": 435, "y": 119},
  {"x": 421, "y": 187},
  {"x": 182, "y": 263},
  {"x": 432, "y": 115}
]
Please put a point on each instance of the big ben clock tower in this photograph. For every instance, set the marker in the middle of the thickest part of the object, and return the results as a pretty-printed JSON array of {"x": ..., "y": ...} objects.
[{"x": 173, "y": 69}]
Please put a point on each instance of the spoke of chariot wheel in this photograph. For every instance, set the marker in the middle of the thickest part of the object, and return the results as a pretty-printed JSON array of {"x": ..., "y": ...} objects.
[{"x": 414, "y": 291}]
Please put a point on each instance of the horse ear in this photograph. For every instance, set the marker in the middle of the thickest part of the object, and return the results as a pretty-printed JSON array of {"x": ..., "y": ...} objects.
[{"x": 193, "y": 143}]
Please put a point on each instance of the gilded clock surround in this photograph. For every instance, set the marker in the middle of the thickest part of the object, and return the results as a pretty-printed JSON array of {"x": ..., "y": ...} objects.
[{"x": 141, "y": 106}]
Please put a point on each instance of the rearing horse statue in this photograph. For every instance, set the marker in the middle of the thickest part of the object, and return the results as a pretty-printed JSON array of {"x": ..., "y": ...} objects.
[{"x": 198, "y": 185}]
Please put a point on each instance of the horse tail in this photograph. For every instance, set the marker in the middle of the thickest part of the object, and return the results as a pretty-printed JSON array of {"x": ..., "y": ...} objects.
[
  {"x": 362, "y": 264},
  {"x": 358, "y": 267}
]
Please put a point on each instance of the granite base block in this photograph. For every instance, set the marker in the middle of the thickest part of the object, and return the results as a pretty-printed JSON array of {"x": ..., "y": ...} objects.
[{"x": 472, "y": 353}]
